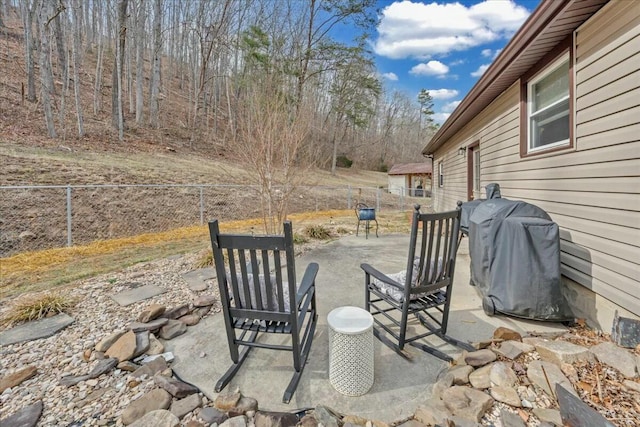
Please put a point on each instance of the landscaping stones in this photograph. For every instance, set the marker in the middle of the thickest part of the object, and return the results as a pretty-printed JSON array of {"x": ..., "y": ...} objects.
[
  {"x": 616, "y": 357},
  {"x": 37, "y": 329},
  {"x": 175, "y": 387},
  {"x": 545, "y": 374},
  {"x": 151, "y": 401},
  {"x": 560, "y": 352},
  {"x": 480, "y": 357},
  {"x": 151, "y": 312},
  {"x": 124, "y": 348},
  {"x": 159, "y": 418},
  {"x": 506, "y": 334},
  {"x": 274, "y": 419},
  {"x": 17, "y": 377},
  {"x": 25, "y": 417},
  {"x": 212, "y": 415},
  {"x": 467, "y": 402},
  {"x": 182, "y": 407},
  {"x": 152, "y": 325},
  {"x": 172, "y": 329},
  {"x": 138, "y": 293}
]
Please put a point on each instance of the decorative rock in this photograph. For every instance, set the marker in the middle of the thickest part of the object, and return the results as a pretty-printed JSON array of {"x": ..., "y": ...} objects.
[
  {"x": 25, "y": 417},
  {"x": 631, "y": 385},
  {"x": 432, "y": 412},
  {"x": 172, "y": 329},
  {"x": 16, "y": 378},
  {"x": 167, "y": 356},
  {"x": 245, "y": 404},
  {"x": 461, "y": 374},
  {"x": 174, "y": 313},
  {"x": 616, "y": 357},
  {"x": 551, "y": 416},
  {"x": 155, "y": 399},
  {"x": 128, "y": 366},
  {"x": 507, "y": 334},
  {"x": 570, "y": 372},
  {"x": 326, "y": 416},
  {"x": 155, "y": 346},
  {"x": 103, "y": 366},
  {"x": 204, "y": 301},
  {"x": 513, "y": 349},
  {"x": 480, "y": 358},
  {"x": 354, "y": 420},
  {"x": 560, "y": 352},
  {"x": 240, "y": 421},
  {"x": 202, "y": 311},
  {"x": 108, "y": 341},
  {"x": 212, "y": 416},
  {"x": 190, "y": 319},
  {"x": 275, "y": 419},
  {"x": 142, "y": 343},
  {"x": 625, "y": 331},
  {"x": 442, "y": 384},
  {"x": 194, "y": 423},
  {"x": 124, "y": 348},
  {"x": 42, "y": 328},
  {"x": 150, "y": 326},
  {"x": 227, "y": 401},
  {"x": 536, "y": 374},
  {"x": 506, "y": 395},
  {"x": 412, "y": 423},
  {"x": 467, "y": 403},
  {"x": 480, "y": 377},
  {"x": 502, "y": 375},
  {"x": 151, "y": 368},
  {"x": 510, "y": 419},
  {"x": 152, "y": 312},
  {"x": 175, "y": 387},
  {"x": 159, "y": 418},
  {"x": 308, "y": 421},
  {"x": 182, "y": 407},
  {"x": 72, "y": 380}
]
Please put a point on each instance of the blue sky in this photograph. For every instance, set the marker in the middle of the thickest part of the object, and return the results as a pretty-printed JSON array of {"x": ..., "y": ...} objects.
[{"x": 443, "y": 46}]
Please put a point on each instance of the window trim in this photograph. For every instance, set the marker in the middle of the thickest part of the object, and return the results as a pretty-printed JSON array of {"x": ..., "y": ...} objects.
[
  {"x": 546, "y": 65},
  {"x": 440, "y": 174}
]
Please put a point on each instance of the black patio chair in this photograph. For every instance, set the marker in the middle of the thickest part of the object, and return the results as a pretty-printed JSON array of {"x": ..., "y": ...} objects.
[
  {"x": 258, "y": 298},
  {"x": 423, "y": 290},
  {"x": 366, "y": 214}
]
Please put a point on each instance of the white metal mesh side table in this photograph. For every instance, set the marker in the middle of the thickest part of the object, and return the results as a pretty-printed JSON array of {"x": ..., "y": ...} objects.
[{"x": 351, "y": 350}]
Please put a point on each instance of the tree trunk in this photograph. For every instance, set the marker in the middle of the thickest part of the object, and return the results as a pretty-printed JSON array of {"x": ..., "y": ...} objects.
[
  {"x": 155, "y": 75},
  {"x": 142, "y": 15},
  {"x": 77, "y": 63},
  {"x": 46, "y": 76},
  {"x": 3, "y": 11},
  {"x": 63, "y": 64},
  {"x": 27, "y": 20},
  {"x": 97, "y": 88},
  {"x": 116, "y": 90}
]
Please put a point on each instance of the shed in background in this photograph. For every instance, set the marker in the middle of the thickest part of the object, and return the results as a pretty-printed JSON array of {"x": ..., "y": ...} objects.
[{"x": 410, "y": 179}]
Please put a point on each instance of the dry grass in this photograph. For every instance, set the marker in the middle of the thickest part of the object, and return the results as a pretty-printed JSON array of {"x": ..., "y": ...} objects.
[
  {"x": 57, "y": 268},
  {"x": 34, "y": 307}
]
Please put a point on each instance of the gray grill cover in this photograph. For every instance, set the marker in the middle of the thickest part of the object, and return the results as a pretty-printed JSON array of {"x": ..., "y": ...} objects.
[{"x": 515, "y": 259}]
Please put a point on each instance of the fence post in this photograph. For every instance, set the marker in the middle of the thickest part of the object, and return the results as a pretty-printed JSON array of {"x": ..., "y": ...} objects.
[
  {"x": 349, "y": 197},
  {"x": 201, "y": 207},
  {"x": 69, "y": 239},
  {"x": 378, "y": 200}
]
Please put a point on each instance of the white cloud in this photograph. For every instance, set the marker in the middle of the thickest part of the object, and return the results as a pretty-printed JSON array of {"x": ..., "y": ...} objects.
[
  {"x": 488, "y": 53},
  {"x": 390, "y": 76},
  {"x": 457, "y": 62},
  {"x": 450, "y": 106},
  {"x": 443, "y": 93},
  {"x": 431, "y": 68},
  {"x": 440, "y": 117},
  {"x": 419, "y": 30},
  {"x": 480, "y": 71}
]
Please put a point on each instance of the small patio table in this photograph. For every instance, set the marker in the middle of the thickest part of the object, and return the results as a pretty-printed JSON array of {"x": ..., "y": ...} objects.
[{"x": 351, "y": 356}]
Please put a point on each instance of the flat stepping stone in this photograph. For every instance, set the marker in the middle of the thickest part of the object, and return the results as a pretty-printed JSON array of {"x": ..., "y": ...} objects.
[
  {"x": 43, "y": 328},
  {"x": 196, "y": 279},
  {"x": 134, "y": 295}
]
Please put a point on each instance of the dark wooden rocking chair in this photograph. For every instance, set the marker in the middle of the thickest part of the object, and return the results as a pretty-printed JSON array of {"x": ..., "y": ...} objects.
[
  {"x": 257, "y": 298},
  {"x": 423, "y": 290}
]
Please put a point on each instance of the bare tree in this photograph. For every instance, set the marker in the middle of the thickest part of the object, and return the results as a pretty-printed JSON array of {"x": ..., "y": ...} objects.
[
  {"x": 269, "y": 141},
  {"x": 77, "y": 63},
  {"x": 46, "y": 76},
  {"x": 28, "y": 7},
  {"x": 97, "y": 87},
  {"x": 116, "y": 94},
  {"x": 154, "y": 107},
  {"x": 141, "y": 16}
]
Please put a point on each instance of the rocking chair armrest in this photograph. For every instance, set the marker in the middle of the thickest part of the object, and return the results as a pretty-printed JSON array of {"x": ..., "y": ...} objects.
[
  {"x": 380, "y": 276},
  {"x": 308, "y": 280}
]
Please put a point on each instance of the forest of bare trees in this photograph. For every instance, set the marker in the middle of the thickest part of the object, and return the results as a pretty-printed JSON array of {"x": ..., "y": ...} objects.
[{"x": 134, "y": 61}]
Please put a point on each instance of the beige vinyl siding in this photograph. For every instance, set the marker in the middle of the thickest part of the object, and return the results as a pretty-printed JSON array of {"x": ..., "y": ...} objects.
[{"x": 592, "y": 190}]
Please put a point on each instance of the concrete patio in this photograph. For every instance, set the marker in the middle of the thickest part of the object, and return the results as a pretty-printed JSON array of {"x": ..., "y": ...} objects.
[{"x": 400, "y": 386}]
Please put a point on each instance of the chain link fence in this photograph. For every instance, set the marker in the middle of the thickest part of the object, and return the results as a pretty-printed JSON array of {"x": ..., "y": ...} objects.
[{"x": 44, "y": 217}]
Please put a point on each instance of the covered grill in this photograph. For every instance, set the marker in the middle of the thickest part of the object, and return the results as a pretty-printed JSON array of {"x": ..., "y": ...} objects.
[{"x": 515, "y": 259}]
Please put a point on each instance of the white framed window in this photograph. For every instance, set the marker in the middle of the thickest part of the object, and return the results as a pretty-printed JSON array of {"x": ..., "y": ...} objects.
[
  {"x": 548, "y": 107},
  {"x": 440, "y": 175}
]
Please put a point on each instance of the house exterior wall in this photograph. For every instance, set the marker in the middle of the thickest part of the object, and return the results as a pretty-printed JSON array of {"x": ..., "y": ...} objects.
[{"x": 593, "y": 190}]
